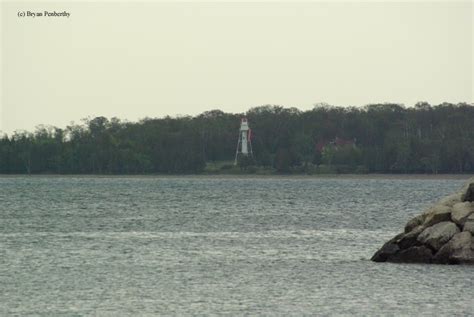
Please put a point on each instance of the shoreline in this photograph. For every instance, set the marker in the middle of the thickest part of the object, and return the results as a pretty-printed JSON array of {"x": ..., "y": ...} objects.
[{"x": 253, "y": 176}]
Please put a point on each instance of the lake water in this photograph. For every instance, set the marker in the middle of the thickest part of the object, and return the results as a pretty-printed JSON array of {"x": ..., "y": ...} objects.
[{"x": 72, "y": 246}]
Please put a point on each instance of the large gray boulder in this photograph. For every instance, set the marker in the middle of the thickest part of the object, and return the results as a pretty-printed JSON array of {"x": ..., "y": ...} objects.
[
  {"x": 469, "y": 224},
  {"x": 437, "y": 235},
  {"x": 457, "y": 250},
  {"x": 443, "y": 234},
  {"x": 461, "y": 211},
  {"x": 436, "y": 214}
]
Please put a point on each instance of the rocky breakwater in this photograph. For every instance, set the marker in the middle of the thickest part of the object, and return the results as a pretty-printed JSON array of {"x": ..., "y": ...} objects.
[{"x": 443, "y": 234}]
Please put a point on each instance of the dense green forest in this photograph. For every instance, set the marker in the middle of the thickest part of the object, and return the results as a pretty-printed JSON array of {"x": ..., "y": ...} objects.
[{"x": 384, "y": 138}]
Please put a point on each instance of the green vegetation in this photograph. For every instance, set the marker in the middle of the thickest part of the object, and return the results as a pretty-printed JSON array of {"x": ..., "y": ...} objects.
[{"x": 389, "y": 138}]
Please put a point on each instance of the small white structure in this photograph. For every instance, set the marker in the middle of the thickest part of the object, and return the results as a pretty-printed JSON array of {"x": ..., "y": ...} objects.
[{"x": 244, "y": 143}]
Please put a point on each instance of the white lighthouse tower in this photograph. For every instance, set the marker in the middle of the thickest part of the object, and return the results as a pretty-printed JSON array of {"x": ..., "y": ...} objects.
[{"x": 244, "y": 143}]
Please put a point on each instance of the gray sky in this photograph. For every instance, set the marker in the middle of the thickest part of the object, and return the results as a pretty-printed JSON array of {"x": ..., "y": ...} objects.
[{"x": 156, "y": 58}]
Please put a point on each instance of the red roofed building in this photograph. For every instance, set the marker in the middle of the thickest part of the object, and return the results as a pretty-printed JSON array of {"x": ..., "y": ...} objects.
[{"x": 337, "y": 143}]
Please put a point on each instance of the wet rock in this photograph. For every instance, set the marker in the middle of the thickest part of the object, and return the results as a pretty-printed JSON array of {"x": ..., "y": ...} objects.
[
  {"x": 387, "y": 250},
  {"x": 416, "y": 254},
  {"x": 394, "y": 250},
  {"x": 457, "y": 250},
  {"x": 410, "y": 239},
  {"x": 461, "y": 211},
  {"x": 438, "y": 234},
  {"x": 414, "y": 222}
]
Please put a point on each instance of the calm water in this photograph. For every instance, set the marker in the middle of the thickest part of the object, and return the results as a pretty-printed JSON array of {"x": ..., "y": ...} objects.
[{"x": 200, "y": 246}]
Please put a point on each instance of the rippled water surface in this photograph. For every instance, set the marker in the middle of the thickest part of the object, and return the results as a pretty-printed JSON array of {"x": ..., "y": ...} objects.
[{"x": 217, "y": 245}]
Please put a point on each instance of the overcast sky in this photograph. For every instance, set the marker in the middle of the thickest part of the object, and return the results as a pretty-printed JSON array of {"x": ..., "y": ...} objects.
[{"x": 156, "y": 58}]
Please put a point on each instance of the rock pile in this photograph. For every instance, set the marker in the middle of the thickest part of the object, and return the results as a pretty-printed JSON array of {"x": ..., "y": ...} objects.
[{"x": 442, "y": 234}]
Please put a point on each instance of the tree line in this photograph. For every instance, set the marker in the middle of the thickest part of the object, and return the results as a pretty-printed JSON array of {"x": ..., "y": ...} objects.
[{"x": 387, "y": 138}]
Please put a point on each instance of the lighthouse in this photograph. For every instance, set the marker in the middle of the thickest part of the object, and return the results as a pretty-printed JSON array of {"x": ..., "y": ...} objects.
[{"x": 244, "y": 142}]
